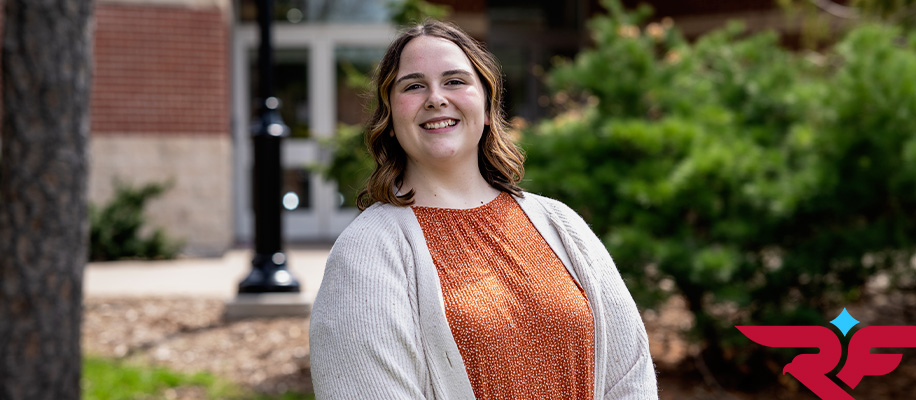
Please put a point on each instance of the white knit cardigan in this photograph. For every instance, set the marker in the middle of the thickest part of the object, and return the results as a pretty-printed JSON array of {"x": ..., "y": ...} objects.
[{"x": 378, "y": 326}]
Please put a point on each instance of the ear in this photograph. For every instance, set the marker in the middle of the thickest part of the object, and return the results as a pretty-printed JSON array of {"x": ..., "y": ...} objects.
[{"x": 486, "y": 118}]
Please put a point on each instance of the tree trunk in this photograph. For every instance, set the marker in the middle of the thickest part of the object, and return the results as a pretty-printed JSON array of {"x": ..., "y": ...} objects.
[{"x": 46, "y": 74}]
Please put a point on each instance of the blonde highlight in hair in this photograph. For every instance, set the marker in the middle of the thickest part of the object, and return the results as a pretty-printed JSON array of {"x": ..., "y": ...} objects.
[{"x": 499, "y": 160}]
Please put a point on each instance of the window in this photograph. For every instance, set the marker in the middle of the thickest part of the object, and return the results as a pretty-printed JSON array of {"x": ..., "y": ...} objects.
[
  {"x": 290, "y": 86},
  {"x": 312, "y": 11},
  {"x": 297, "y": 192},
  {"x": 355, "y": 66}
]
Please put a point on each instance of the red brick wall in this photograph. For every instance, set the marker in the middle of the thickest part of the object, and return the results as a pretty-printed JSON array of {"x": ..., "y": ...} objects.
[{"x": 160, "y": 70}]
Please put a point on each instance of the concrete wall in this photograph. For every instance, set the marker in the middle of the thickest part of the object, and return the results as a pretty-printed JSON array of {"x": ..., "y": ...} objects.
[{"x": 198, "y": 207}]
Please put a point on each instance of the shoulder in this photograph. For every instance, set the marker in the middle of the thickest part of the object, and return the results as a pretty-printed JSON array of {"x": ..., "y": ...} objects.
[
  {"x": 376, "y": 238},
  {"x": 561, "y": 216},
  {"x": 378, "y": 222},
  {"x": 554, "y": 208},
  {"x": 369, "y": 257},
  {"x": 381, "y": 226}
]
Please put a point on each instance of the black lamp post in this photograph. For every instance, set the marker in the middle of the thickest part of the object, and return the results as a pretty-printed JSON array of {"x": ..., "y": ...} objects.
[{"x": 268, "y": 273}]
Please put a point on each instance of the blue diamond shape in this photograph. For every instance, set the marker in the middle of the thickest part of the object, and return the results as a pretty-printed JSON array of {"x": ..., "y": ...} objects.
[{"x": 844, "y": 321}]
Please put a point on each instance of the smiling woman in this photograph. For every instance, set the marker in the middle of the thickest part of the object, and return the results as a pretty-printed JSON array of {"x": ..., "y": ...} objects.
[
  {"x": 438, "y": 117},
  {"x": 423, "y": 71},
  {"x": 453, "y": 283}
]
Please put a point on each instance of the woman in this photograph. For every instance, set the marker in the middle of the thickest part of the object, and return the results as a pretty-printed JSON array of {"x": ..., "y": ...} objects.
[{"x": 453, "y": 283}]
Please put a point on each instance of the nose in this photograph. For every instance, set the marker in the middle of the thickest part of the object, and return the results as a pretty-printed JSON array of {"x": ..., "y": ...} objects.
[{"x": 435, "y": 99}]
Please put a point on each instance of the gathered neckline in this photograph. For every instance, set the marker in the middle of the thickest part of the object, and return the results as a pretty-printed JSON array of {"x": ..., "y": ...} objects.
[{"x": 482, "y": 207}]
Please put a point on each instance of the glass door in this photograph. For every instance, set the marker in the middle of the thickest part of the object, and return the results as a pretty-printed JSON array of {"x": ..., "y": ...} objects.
[{"x": 314, "y": 99}]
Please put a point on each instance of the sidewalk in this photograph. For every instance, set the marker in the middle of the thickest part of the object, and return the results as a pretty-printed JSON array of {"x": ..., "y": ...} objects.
[{"x": 216, "y": 277}]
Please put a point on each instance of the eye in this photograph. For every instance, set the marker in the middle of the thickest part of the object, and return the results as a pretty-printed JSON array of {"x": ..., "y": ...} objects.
[
  {"x": 454, "y": 82},
  {"x": 412, "y": 86}
]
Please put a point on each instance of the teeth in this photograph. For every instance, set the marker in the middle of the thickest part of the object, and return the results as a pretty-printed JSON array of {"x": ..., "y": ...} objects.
[{"x": 440, "y": 124}]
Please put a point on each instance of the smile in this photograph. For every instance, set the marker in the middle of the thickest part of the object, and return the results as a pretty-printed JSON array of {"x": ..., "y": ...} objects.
[{"x": 439, "y": 124}]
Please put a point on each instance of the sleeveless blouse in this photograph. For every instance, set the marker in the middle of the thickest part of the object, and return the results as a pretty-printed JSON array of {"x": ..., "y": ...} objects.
[{"x": 522, "y": 324}]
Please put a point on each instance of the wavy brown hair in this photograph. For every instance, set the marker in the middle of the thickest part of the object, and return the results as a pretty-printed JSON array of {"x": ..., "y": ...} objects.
[{"x": 499, "y": 160}]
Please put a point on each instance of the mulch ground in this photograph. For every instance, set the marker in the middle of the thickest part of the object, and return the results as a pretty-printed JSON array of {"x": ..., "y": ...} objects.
[{"x": 271, "y": 355}]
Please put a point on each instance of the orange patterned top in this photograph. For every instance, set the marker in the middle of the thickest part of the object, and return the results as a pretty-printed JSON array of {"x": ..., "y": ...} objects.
[{"x": 521, "y": 322}]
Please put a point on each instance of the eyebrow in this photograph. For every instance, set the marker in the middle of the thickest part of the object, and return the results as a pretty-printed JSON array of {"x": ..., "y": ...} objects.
[{"x": 418, "y": 75}]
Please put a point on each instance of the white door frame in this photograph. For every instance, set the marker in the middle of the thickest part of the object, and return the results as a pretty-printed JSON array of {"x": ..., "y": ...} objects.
[{"x": 325, "y": 219}]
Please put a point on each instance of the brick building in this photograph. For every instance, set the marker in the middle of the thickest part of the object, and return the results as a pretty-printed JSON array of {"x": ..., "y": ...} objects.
[
  {"x": 174, "y": 82},
  {"x": 172, "y": 92},
  {"x": 160, "y": 111}
]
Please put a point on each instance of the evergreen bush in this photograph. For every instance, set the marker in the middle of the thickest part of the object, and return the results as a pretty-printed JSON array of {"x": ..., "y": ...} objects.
[
  {"x": 763, "y": 185},
  {"x": 116, "y": 229}
]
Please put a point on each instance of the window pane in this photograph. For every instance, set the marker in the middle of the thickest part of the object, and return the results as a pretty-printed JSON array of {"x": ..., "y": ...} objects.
[
  {"x": 312, "y": 11},
  {"x": 297, "y": 195},
  {"x": 355, "y": 66},
  {"x": 290, "y": 86},
  {"x": 515, "y": 65}
]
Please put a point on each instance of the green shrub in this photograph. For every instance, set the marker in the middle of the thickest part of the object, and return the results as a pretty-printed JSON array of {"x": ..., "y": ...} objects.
[
  {"x": 351, "y": 163},
  {"x": 116, "y": 228},
  {"x": 409, "y": 12},
  {"x": 764, "y": 186}
]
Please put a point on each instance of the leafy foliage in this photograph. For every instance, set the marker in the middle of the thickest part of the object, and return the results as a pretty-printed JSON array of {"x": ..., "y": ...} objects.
[
  {"x": 351, "y": 165},
  {"x": 116, "y": 228},
  {"x": 764, "y": 186},
  {"x": 819, "y": 17},
  {"x": 409, "y": 12}
]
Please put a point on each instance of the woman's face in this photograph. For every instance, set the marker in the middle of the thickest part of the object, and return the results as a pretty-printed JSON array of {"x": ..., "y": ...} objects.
[{"x": 438, "y": 105}]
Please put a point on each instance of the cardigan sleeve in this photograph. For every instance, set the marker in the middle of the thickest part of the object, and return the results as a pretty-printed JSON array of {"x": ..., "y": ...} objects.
[
  {"x": 630, "y": 373},
  {"x": 363, "y": 333}
]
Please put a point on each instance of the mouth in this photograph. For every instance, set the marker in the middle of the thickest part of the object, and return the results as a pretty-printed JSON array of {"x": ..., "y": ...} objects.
[{"x": 442, "y": 123}]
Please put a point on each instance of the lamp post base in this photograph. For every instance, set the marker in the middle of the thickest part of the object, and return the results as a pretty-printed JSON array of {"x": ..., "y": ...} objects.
[
  {"x": 267, "y": 305},
  {"x": 269, "y": 275}
]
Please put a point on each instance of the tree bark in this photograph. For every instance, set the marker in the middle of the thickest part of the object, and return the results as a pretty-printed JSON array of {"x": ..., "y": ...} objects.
[{"x": 46, "y": 73}]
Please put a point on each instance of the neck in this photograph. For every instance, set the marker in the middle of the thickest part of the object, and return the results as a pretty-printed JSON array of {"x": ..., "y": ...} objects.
[{"x": 447, "y": 187}]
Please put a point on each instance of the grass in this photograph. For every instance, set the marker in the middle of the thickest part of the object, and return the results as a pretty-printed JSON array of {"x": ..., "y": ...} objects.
[{"x": 106, "y": 379}]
